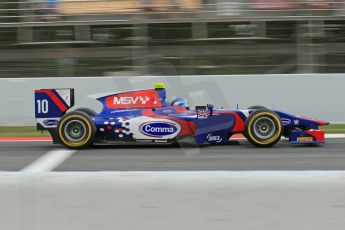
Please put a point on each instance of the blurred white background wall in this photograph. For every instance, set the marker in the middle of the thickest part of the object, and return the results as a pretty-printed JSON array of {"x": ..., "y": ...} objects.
[{"x": 319, "y": 96}]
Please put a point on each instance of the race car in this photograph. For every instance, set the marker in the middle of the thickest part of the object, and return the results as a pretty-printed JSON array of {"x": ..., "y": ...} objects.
[{"x": 145, "y": 116}]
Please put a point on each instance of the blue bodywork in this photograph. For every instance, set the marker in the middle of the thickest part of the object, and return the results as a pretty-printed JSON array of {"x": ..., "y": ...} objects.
[{"x": 126, "y": 118}]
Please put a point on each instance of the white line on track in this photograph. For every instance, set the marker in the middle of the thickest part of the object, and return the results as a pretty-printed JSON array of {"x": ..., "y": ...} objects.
[
  {"x": 334, "y": 136},
  {"x": 185, "y": 174},
  {"x": 49, "y": 161}
]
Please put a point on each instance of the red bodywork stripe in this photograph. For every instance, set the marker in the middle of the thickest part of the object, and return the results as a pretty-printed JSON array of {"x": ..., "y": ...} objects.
[
  {"x": 54, "y": 98},
  {"x": 187, "y": 127},
  {"x": 238, "y": 127},
  {"x": 133, "y": 101},
  {"x": 18, "y": 139},
  {"x": 319, "y": 135},
  {"x": 239, "y": 123}
]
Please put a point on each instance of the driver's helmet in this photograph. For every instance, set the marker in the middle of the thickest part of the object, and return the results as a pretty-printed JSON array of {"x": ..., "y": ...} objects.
[{"x": 180, "y": 102}]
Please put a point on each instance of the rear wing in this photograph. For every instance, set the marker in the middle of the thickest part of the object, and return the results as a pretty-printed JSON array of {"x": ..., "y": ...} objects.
[{"x": 51, "y": 105}]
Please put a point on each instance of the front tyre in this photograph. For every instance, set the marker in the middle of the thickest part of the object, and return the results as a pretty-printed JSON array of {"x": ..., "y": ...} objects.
[
  {"x": 76, "y": 130},
  {"x": 257, "y": 107},
  {"x": 263, "y": 128}
]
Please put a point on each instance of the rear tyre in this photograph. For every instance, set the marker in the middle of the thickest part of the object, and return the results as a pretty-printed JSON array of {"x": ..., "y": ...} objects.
[
  {"x": 256, "y": 107},
  {"x": 76, "y": 130},
  {"x": 88, "y": 111},
  {"x": 263, "y": 128}
]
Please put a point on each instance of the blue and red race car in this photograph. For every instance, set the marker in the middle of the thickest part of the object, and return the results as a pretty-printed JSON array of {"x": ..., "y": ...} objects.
[{"x": 145, "y": 116}]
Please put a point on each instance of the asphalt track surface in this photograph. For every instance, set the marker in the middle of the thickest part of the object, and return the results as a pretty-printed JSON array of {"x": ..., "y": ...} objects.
[{"x": 14, "y": 156}]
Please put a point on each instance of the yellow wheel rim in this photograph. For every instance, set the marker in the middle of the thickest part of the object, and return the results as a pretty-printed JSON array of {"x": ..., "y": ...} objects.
[
  {"x": 78, "y": 143},
  {"x": 271, "y": 139}
]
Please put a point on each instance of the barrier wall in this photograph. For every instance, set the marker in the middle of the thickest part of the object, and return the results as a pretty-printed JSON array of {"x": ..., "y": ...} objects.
[{"x": 319, "y": 96}]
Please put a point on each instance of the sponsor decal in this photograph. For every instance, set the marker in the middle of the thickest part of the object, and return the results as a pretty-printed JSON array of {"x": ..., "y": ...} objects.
[
  {"x": 296, "y": 122},
  {"x": 144, "y": 140},
  {"x": 50, "y": 122},
  {"x": 286, "y": 121},
  {"x": 131, "y": 100},
  {"x": 158, "y": 129},
  {"x": 136, "y": 99},
  {"x": 212, "y": 138},
  {"x": 203, "y": 114},
  {"x": 144, "y": 127},
  {"x": 161, "y": 141},
  {"x": 305, "y": 139},
  {"x": 168, "y": 111}
]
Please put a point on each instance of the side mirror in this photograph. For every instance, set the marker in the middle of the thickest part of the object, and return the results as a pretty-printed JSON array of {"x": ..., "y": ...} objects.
[{"x": 210, "y": 108}]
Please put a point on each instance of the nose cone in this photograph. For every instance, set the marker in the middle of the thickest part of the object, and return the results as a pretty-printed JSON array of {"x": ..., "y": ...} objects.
[
  {"x": 319, "y": 122},
  {"x": 322, "y": 123}
]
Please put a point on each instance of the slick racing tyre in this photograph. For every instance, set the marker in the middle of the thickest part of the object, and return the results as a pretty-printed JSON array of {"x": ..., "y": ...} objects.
[
  {"x": 88, "y": 111},
  {"x": 256, "y": 107},
  {"x": 76, "y": 130},
  {"x": 263, "y": 128}
]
